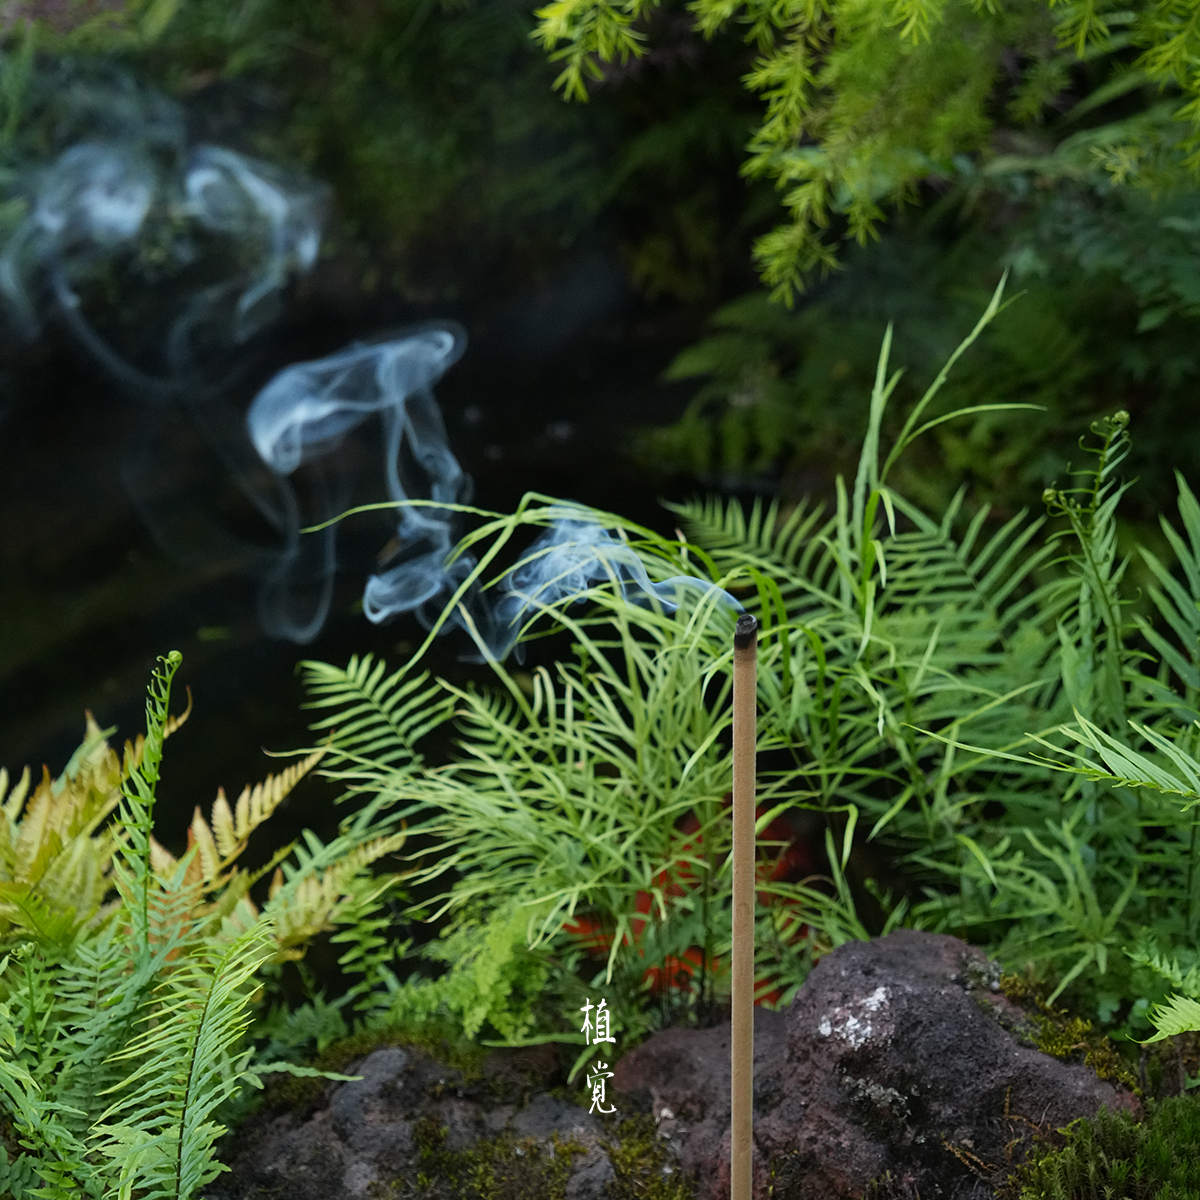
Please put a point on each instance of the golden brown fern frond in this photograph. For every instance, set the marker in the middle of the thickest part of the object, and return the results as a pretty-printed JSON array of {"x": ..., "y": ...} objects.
[
  {"x": 53, "y": 850},
  {"x": 254, "y": 806},
  {"x": 13, "y": 800},
  {"x": 318, "y": 901},
  {"x": 218, "y": 844},
  {"x": 56, "y": 854}
]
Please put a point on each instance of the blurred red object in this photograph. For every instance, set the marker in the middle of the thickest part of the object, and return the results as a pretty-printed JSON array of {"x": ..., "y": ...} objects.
[{"x": 793, "y": 860}]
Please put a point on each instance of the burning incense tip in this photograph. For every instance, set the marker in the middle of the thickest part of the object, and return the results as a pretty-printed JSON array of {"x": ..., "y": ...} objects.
[{"x": 745, "y": 631}]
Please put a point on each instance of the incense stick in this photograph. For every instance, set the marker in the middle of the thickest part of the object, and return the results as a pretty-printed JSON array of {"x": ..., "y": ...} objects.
[{"x": 745, "y": 718}]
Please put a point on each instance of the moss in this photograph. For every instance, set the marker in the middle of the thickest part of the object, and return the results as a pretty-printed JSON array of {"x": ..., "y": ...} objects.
[
  {"x": 447, "y": 1047},
  {"x": 1115, "y": 1155},
  {"x": 500, "y": 1168},
  {"x": 642, "y": 1167},
  {"x": 524, "y": 1169},
  {"x": 1056, "y": 1032}
]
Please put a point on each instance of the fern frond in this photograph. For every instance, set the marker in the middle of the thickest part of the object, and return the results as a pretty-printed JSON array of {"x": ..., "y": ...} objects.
[
  {"x": 254, "y": 806},
  {"x": 28, "y": 910},
  {"x": 219, "y": 844},
  {"x": 1146, "y": 953},
  {"x": 1180, "y": 1014},
  {"x": 158, "y": 1134},
  {"x": 379, "y": 717},
  {"x": 97, "y": 1001},
  {"x": 13, "y": 800},
  {"x": 795, "y": 552},
  {"x": 133, "y": 871},
  {"x": 121, "y": 1028},
  {"x": 54, "y": 850},
  {"x": 44, "y": 1125},
  {"x": 1178, "y": 605},
  {"x": 304, "y": 902},
  {"x": 1177, "y": 773}
]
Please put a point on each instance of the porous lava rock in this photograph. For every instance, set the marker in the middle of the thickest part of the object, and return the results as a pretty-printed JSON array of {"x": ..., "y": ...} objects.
[
  {"x": 900, "y": 1064},
  {"x": 402, "y": 1128}
]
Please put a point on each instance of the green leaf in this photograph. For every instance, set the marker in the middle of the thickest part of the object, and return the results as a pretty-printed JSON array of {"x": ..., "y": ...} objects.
[{"x": 1180, "y": 1014}]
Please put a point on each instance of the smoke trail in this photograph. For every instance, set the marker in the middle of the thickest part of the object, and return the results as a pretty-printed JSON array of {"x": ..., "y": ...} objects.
[
  {"x": 163, "y": 259},
  {"x": 573, "y": 555},
  {"x": 197, "y": 242},
  {"x": 305, "y": 411}
]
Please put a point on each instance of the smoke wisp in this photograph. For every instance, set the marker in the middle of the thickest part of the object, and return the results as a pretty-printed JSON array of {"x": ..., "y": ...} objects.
[
  {"x": 162, "y": 258},
  {"x": 305, "y": 411}
]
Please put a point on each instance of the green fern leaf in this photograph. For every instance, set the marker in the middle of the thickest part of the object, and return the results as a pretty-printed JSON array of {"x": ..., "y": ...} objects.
[
  {"x": 158, "y": 1133},
  {"x": 1180, "y": 1014}
]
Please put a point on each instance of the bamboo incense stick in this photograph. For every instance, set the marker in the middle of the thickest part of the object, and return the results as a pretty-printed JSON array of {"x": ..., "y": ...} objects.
[{"x": 745, "y": 719}]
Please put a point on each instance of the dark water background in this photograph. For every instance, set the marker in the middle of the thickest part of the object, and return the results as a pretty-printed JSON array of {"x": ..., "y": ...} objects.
[{"x": 544, "y": 399}]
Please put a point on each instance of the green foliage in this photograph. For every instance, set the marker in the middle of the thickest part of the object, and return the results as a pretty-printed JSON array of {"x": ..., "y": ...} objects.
[
  {"x": 864, "y": 102},
  {"x": 1172, "y": 772},
  {"x": 1136, "y": 870},
  {"x": 434, "y": 122},
  {"x": 1115, "y": 1155},
  {"x": 564, "y": 806},
  {"x": 492, "y": 981},
  {"x": 430, "y": 119},
  {"x": 923, "y": 685},
  {"x": 1107, "y": 321},
  {"x": 123, "y": 1020},
  {"x": 569, "y": 801}
]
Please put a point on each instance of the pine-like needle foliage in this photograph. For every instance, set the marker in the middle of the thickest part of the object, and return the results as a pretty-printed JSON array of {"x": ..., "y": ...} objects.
[{"x": 863, "y": 101}]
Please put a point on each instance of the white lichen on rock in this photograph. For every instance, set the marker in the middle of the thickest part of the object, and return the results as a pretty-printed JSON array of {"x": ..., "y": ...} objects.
[{"x": 852, "y": 1022}]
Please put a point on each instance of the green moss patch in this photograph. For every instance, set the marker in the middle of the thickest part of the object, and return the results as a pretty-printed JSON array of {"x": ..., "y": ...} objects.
[
  {"x": 1114, "y": 1155},
  {"x": 512, "y": 1168},
  {"x": 500, "y": 1168},
  {"x": 642, "y": 1167},
  {"x": 1056, "y": 1032}
]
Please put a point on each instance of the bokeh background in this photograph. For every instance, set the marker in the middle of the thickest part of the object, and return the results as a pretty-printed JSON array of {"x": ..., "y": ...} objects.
[{"x": 600, "y": 255}]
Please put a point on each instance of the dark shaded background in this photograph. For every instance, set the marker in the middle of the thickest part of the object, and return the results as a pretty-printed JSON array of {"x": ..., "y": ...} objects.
[{"x": 543, "y": 400}]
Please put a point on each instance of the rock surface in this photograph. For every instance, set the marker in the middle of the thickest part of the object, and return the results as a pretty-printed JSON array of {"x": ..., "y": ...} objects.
[
  {"x": 898, "y": 1063},
  {"x": 401, "y": 1129}
]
